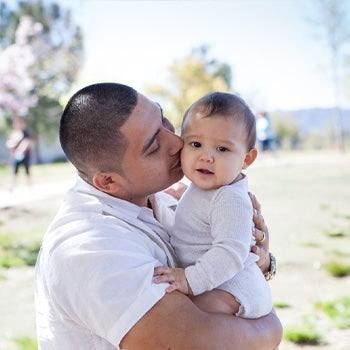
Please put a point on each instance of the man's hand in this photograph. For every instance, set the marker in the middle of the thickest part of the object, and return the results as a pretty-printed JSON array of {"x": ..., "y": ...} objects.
[
  {"x": 176, "y": 277},
  {"x": 261, "y": 234}
]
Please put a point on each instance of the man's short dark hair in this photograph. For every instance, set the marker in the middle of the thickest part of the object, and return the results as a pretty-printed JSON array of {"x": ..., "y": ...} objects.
[
  {"x": 90, "y": 127},
  {"x": 229, "y": 106}
]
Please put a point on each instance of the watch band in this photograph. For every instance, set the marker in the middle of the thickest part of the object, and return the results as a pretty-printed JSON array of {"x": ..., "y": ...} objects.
[{"x": 272, "y": 269}]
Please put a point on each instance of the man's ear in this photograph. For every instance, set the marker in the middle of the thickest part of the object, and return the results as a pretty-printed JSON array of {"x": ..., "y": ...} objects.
[
  {"x": 250, "y": 157},
  {"x": 108, "y": 182}
]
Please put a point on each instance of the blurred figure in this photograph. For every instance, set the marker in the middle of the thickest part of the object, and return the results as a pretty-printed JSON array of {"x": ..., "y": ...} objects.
[
  {"x": 19, "y": 145},
  {"x": 264, "y": 132}
]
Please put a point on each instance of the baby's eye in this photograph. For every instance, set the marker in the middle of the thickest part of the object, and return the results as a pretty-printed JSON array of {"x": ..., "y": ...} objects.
[
  {"x": 222, "y": 149},
  {"x": 195, "y": 144}
]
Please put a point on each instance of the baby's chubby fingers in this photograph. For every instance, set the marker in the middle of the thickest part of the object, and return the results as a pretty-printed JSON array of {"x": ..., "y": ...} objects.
[
  {"x": 161, "y": 270},
  {"x": 172, "y": 288},
  {"x": 164, "y": 273}
]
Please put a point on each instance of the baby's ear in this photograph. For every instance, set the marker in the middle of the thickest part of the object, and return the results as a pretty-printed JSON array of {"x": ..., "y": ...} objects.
[
  {"x": 250, "y": 157},
  {"x": 108, "y": 182}
]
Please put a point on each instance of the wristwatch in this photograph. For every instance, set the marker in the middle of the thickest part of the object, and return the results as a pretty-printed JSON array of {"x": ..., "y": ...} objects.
[{"x": 272, "y": 269}]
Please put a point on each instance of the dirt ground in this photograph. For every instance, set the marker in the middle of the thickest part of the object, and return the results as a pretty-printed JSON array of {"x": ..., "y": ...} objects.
[
  {"x": 298, "y": 213},
  {"x": 303, "y": 199}
]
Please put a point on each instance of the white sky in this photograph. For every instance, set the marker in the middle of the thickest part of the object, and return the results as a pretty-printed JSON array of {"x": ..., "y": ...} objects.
[{"x": 277, "y": 63}]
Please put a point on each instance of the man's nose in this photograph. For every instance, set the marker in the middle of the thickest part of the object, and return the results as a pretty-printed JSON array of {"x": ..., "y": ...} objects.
[{"x": 176, "y": 143}]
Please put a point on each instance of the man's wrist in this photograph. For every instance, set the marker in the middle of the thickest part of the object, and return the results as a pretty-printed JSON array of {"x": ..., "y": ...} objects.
[{"x": 271, "y": 272}]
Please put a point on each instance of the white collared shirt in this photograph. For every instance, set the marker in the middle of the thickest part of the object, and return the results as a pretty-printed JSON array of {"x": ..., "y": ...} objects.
[{"x": 95, "y": 269}]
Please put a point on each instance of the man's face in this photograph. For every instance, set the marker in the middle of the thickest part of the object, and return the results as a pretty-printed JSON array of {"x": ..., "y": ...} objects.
[{"x": 151, "y": 162}]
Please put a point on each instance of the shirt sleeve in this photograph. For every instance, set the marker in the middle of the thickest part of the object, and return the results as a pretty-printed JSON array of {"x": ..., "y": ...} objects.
[
  {"x": 230, "y": 224},
  {"x": 105, "y": 280}
]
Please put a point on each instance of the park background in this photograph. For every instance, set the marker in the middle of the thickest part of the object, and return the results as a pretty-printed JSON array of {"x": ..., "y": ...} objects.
[{"x": 289, "y": 58}]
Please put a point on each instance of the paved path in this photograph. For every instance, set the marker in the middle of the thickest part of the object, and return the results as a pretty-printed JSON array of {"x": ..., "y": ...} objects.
[{"x": 26, "y": 194}]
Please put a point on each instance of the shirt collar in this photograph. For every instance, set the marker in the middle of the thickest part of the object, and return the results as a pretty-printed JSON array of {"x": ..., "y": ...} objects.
[
  {"x": 157, "y": 200},
  {"x": 118, "y": 204}
]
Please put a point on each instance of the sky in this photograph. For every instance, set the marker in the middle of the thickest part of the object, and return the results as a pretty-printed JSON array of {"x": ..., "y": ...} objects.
[{"x": 278, "y": 63}]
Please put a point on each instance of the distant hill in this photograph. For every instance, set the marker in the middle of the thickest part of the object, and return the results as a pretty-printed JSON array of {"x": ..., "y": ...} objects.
[{"x": 316, "y": 119}]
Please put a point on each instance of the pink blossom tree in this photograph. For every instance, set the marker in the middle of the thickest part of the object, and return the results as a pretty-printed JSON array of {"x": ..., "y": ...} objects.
[
  {"x": 16, "y": 83},
  {"x": 41, "y": 52}
]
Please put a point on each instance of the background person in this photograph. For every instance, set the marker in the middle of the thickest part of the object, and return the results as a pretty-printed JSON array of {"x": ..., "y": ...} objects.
[
  {"x": 19, "y": 145},
  {"x": 265, "y": 133}
]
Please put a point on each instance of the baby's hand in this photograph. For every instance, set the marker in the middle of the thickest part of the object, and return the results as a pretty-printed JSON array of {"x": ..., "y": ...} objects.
[{"x": 176, "y": 277}]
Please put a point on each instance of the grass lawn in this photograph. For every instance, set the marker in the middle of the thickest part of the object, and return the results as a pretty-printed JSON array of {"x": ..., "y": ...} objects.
[{"x": 305, "y": 202}]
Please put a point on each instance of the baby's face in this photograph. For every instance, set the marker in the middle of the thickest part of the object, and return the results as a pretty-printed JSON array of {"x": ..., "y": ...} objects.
[{"x": 214, "y": 150}]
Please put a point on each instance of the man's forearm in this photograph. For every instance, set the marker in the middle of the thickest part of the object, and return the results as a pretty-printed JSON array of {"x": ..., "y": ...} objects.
[
  {"x": 176, "y": 323},
  {"x": 237, "y": 333}
]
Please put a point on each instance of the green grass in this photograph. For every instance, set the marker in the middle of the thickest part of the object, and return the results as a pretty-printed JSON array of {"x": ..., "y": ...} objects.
[
  {"x": 22, "y": 231},
  {"x": 337, "y": 310},
  {"x": 26, "y": 343},
  {"x": 14, "y": 255},
  {"x": 335, "y": 234},
  {"x": 305, "y": 334},
  {"x": 337, "y": 268},
  {"x": 10, "y": 260},
  {"x": 340, "y": 253},
  {"x": 281, "y": 305}
]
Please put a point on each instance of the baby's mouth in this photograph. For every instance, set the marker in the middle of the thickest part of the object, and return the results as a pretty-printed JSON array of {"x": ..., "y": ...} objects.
[{"x": 205, "y": 171}]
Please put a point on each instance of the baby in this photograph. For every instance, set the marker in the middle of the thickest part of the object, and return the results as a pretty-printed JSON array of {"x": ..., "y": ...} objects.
[{"x": 212, "y": 234}]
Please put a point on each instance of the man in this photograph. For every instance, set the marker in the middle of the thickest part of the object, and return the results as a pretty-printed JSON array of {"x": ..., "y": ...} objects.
[{"x": 95, "y": 269}]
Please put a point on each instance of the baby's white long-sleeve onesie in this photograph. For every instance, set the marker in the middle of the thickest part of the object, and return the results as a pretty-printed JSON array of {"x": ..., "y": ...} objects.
[{"x": 212, "y": 237}]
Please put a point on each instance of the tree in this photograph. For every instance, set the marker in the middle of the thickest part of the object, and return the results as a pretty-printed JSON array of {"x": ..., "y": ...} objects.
[
  {"x": 334, "y": 22},
  {"x": 16, "y": 83},
  {"x": 58, "y": 50},
  {"x": 191, "y": 77},
  {"x": 286, "y": 130}
]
